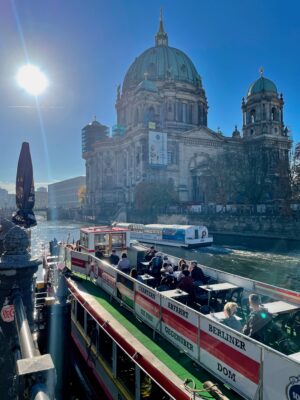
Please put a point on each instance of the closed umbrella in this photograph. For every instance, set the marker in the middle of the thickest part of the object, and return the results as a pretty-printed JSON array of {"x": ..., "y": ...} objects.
[{"x": 25, "y": 196}]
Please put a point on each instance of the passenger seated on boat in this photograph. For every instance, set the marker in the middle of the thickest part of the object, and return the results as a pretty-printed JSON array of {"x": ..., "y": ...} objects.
[
  {"x": 164, "y": 284},
  {"x": 183, "y": 267},
  {"x": 230, "y": 319},
  {"x": 166, "y": 260},
  {"x": 155, "y": 265},
  {"x": 258, "y": 319},
  {"x": 114, "y": 258},
  {"x": 197, "y": 274},
  {"x": 186, "y": 283},
  {"x": 123, "y": 264},
  {"x": 180, "y": 263},
  {"x": 150, "y": 253},
  {"x": 99, "y": 253},
  {"x": 166, "y": 281},
  {"x": 134, "y": 275},
  {"x": 171, "y": 277}
]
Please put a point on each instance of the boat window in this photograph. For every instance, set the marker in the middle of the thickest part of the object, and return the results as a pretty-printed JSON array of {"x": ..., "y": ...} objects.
[
  {"x": 101, "y": 239},
  {"x": 150, "y": 390},
  {"x": 73, "y": 306},
  {"x": 80, "y": 314},
  {"x": 92, "y": 330},
  {"x": 126, "y": 370},
  {"x": 196, "y": 234},
  {"x": 105, "y": 347},
  {"x": 118, "y": 240},
  {"x": 84, "y": 239}
]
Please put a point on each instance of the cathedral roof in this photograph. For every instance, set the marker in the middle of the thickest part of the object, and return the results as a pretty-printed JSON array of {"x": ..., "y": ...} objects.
[
  {"x": 262, "y": 85},
  {"x": 161, "y": 63}
]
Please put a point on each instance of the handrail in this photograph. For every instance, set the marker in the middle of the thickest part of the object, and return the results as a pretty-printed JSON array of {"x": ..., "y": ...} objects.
[{"x": 28, "y": 350}]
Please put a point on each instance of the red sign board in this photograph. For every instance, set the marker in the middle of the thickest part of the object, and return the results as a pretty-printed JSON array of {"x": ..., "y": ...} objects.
[{"x": 8, "y": 313}]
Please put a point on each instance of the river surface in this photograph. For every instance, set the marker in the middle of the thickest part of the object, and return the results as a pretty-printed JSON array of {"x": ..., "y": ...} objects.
[{"x": 272, "y": 263}]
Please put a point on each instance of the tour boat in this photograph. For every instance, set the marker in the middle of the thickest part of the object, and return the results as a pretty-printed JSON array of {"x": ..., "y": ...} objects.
[
  {"x": 169, "y": 235},
  {"x": 139, "y": 343}
]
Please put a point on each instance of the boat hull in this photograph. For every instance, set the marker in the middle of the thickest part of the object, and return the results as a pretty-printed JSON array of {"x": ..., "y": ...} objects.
[{"x": 177, "y": 244}]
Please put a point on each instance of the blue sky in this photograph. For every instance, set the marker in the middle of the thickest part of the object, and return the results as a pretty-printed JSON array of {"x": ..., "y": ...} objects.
[{"x": 86, "y": 47}]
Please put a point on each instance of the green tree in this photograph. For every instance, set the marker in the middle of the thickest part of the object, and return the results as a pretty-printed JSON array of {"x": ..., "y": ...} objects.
[
  {"x": 81, "y": 195},
  {"x": 150, "y": 195}
]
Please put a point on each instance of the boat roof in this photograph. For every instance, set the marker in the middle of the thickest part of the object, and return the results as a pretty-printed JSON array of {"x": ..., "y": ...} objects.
[
  {"x": 162, "y": 352},
  {"x": 103, "y": 229},
  {"x": 159, "y": 226}
]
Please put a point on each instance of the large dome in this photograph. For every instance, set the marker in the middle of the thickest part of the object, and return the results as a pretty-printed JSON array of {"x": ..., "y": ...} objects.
[{"x": 162, "y": 63}]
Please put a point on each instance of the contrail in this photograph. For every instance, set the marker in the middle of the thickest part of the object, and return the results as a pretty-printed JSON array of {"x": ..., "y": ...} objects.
[{"x": 43, "y": 107}]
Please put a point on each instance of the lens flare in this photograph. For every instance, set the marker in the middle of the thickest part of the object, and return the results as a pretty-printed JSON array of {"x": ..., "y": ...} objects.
[{"x": 32, "y": 79}]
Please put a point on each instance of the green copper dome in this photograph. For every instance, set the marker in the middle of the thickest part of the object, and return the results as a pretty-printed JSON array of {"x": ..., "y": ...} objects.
[
  {"x": 262, "y": 85},
  {"x": 161, "y": 63}
]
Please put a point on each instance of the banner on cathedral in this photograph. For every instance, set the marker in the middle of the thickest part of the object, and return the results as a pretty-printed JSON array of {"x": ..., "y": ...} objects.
[{"x": 158, "y": 153}]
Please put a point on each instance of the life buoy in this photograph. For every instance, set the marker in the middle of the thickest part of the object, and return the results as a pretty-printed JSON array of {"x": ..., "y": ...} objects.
[{"x": 203, "y": 234}]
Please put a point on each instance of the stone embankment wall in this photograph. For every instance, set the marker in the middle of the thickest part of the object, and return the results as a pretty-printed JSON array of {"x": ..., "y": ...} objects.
[{"x": 258, "y": 225}]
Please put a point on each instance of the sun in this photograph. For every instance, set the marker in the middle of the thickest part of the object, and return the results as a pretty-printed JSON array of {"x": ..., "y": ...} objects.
[{"x": 32, "y": 79}]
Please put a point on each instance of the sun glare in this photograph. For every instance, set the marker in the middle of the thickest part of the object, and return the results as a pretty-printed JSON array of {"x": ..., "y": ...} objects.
[{"x": 32, "y": 79}]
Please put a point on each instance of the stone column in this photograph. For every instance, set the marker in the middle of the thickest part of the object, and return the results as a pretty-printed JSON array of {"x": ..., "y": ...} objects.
[{"x": 16, "y": 272}]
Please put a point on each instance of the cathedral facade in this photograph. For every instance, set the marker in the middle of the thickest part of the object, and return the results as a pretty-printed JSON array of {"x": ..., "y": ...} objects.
[{"x": 162, "y": 135}]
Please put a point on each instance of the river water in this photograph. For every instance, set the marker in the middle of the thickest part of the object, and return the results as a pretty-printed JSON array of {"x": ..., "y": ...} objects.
[{"x": 271, "y": 263}]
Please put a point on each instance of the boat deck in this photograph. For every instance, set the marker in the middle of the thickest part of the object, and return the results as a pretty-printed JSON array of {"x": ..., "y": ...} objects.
[{"x": 178, "y": 362}]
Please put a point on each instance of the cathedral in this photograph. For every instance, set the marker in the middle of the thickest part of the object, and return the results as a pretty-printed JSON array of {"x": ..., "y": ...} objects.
[{"x": 162, "y": 135}]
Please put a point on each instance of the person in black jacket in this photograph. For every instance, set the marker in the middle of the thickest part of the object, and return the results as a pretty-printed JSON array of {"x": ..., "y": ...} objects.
[
  {"x": 155, "y": 265},
  {"x": 114, "y": 258},
  {"x": 257, "y": 320},
  {"x": 197, "y": 274}
]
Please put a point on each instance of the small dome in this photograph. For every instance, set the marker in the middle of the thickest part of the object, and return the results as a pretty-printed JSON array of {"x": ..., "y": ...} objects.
[
  {"x": 262, "y": 85},
  {"x": 147, "y": 85}
]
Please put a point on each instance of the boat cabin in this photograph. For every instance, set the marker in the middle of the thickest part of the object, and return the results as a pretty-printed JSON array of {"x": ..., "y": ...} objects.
[{"x": 101, "y": 240}]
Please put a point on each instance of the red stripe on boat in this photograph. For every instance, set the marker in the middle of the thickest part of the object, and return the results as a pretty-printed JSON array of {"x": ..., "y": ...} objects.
[
  {"x": 78, "y": 262},
  {"x": 147, "y": 304},
  {"x": 185, "y": 328},
  {"x": 289, "y": 295},
  {"x": 241, "y": 363}
]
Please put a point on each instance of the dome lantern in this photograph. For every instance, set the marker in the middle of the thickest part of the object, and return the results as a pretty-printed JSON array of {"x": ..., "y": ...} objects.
[{"x": 161, "y": 38}]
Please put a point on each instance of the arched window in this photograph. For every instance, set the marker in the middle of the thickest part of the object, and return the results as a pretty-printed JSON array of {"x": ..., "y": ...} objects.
[
  {"x": 179, "y": 112},
  {"x": 136, "y": 116},
  {"x": 190, "y": 113},
  {"x": 184, "y": 112},
  {"x": 149, "y": 115},
  {"x": 200, "y": 115},
  {"x": 273, "y": 114}
]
